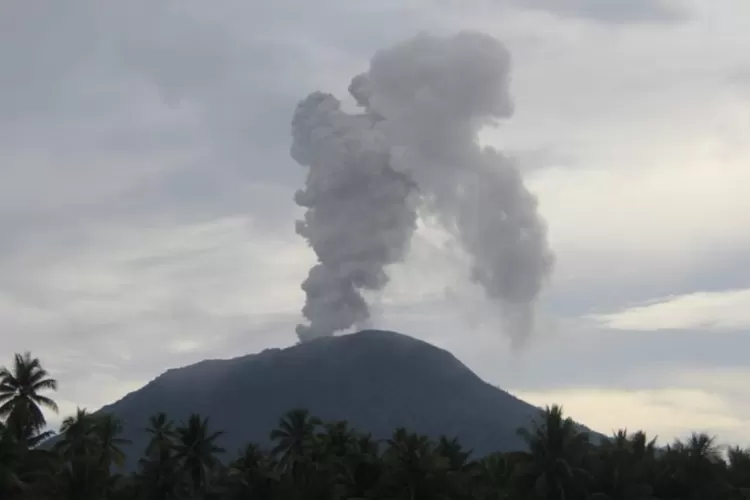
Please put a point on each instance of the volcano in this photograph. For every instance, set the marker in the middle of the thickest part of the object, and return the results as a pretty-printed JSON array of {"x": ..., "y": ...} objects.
[{"x": 376, "y": 380}]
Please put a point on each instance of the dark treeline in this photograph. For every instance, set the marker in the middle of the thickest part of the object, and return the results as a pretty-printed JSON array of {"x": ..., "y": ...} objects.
[{"x": 311, "y": 460}]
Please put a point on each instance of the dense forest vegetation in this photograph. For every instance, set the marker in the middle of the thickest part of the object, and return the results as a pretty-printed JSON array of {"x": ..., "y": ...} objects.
[{"x": 311, "y": 460}]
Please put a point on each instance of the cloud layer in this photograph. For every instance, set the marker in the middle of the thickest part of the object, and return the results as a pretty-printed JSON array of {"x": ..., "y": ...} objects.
[
  {"x": 146, "y": 192},
  {"x": 712, "y": 311}
]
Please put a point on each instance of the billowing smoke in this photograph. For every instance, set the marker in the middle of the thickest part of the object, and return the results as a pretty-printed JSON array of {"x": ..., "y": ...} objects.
[{"x": 414, "y": 148}]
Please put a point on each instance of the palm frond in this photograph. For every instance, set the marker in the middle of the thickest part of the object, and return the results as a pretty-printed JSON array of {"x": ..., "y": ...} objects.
[
  {"x": 46, "y": 402},
  {"x": 44, "y": 384}
]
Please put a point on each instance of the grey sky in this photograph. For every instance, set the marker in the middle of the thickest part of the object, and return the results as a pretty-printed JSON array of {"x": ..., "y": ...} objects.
[{"x": 146, "y": 192}]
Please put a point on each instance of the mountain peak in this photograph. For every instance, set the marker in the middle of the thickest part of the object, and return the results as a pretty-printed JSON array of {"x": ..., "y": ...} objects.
[{"x": 377, "y": 380}]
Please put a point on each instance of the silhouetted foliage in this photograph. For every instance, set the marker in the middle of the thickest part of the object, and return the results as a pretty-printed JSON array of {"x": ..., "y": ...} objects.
[{"x": 311, "y": 459}]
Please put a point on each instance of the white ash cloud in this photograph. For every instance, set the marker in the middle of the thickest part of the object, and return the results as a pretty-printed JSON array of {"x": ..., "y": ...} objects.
[{"x": 414, "y": 150}]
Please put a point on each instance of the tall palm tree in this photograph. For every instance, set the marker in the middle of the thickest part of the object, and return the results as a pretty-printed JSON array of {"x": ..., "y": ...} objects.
[
  {"x": 295, "y": 439},
  {"x": 414, "y": 470},
  {"x": 694, "y": 468},
  {"x": 82, "y": 475},
  {"x": 20, "y": 399},
  {"x": 457, "y": 462},
  {"x": 79, "y": 480},
  {"x": 107, "y": 428},
  {"x": 160, "y": 477},
  {"x": 162, "y": 434},
  {"x": 252, "y": 474},
  {"x": 738, "y": 469},
  {"x": 364, "y": 468},
  {"x": 336, "y": 439},
  {"x": 557, "y": 449},
  {"x": 454, "y": 452},
  {"x": 196, "y": 451},
  {"x": 10, "y": 461},
  {"x": 622, "y": 467},
  {"x": 77, "y": 437},
  {"x": 24, "y": 472},
  {"x": 492, "y": 477}
]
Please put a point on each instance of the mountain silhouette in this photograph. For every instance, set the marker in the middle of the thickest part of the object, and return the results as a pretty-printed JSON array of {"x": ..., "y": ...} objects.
[{"x": 377, "y": 380}]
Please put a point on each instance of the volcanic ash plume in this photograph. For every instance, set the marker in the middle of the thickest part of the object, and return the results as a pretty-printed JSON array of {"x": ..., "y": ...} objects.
[{"x": 415, "y": 147}]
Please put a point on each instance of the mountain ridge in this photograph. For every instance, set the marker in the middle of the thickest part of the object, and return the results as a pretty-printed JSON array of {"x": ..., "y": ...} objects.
[{"x": 377, "y": 380}]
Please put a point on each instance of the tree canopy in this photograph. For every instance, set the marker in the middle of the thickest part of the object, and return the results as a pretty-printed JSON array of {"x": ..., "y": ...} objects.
[{"x": 311, "y": 459}]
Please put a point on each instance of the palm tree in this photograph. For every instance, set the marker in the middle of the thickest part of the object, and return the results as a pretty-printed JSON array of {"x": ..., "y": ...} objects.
[
  {"x": 364, "y": 468},
  {"x": 20, "y": 399},
  {"x": 623, "y": 465},
  {"x": 295, "y": 438},
  {"x": 160, "y": 477},
  {"x": 85, "y": 470},
  {"x": 196, "y": 451},
  {"x": 162, "y": 434},
  {"x": 738, "y": 470},
  {"x": 107, "y": 429},
  {"x": 79, "y": 480},
  {"x": 492, "y": 476},
  {"x": 252, "y": 474},
  {"x": 694, "y": 468},
  {"x": 454, "y": 452},
  {"x": 457, "y": 462},
  {"x": 77, "y": 438},
  {"x": 554, "y": 470},
  {"x": 10, "y": 461},
  {"x": 414, "y": 470},
  {"x": 336, "y": 439}
]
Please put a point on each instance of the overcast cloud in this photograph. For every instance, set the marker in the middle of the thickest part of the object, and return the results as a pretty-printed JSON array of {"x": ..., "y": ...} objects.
[{"x": 147, "y": 215}]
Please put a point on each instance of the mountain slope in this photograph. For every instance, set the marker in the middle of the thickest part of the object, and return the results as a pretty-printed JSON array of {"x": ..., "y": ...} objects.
[{"x": 376, "y": 380}]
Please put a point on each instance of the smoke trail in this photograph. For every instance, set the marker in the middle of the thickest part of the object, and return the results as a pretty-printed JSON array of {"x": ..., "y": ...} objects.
[
  {"x": 424, "y": 102},
  {"x": 358, "y": 216}
]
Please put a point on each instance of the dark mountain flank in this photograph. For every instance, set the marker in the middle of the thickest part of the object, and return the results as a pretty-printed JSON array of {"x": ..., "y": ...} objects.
[{"x": 377, "y": 380}]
